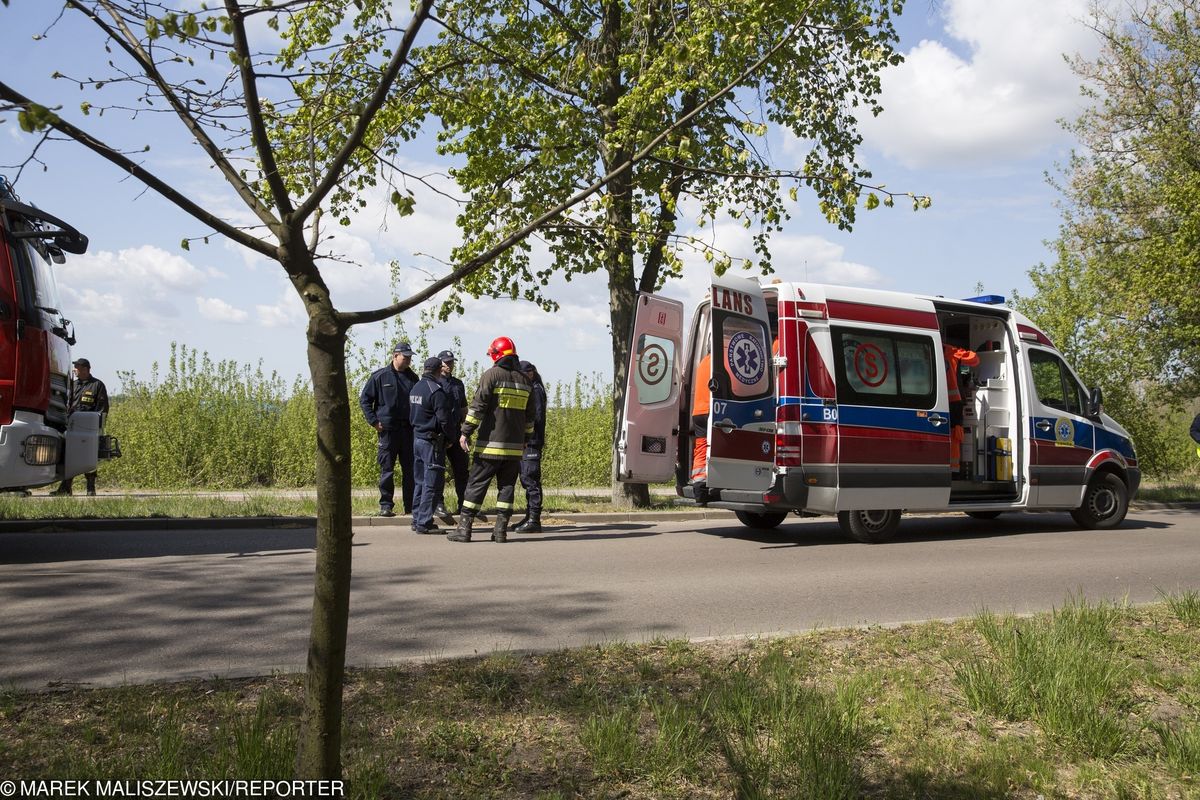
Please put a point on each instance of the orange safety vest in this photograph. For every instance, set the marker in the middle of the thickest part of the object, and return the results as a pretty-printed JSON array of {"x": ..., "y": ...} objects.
[{"x": 954, "y": 357}]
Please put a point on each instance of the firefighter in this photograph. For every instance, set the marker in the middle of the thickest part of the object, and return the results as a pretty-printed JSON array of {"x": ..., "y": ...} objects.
[
  {"x": 955, "y": 357},
  {"x": 459, "y": 463},
  {"x": 433, "y": 424},
  {"x": 531, "y": 461},
  {"x": 501, "y": 419},
  {"x": 384, "y": 402},
  {"x": 88, "y": 393}
]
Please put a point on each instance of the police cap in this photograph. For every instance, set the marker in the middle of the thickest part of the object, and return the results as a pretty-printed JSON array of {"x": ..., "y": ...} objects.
[
  {"x": 404, "y": 349},
  {"x": 433, "y": 365},
  {"x": 82, "y": 362},
  {"x": 526, "y": 366},
  {"x": 446, "y": 355}
]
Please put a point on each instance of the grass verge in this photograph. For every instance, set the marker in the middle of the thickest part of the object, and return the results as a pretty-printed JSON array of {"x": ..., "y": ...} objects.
[{"x": 1090, "y": 701}]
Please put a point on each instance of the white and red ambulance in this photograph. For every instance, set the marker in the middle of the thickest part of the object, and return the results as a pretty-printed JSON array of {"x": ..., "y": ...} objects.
[{"x": 836, "y": 400}]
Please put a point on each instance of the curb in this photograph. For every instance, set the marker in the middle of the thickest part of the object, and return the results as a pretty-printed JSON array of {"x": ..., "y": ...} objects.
[{"x": 232, "y": 523}]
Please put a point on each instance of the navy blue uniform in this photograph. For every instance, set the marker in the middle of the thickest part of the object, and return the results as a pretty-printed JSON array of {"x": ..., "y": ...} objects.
[
  {"x": 459, "y": 462},
  {"x": 384, "y": 401},
  {"x": 433, "y": 426},
  {"x": 531, "y": 460}
]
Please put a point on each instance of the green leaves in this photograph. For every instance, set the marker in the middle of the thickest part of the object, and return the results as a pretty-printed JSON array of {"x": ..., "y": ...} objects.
[{"x": 36, "y": 117}]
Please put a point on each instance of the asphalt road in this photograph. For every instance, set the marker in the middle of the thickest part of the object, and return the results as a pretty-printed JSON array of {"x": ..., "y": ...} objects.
[{"x": 117, "y": 607}]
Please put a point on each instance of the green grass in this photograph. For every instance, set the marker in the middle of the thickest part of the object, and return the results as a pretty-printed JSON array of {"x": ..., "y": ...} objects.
[
  {"x": 1169, "y": 493},
  {"x": 1094, "y": 700}
]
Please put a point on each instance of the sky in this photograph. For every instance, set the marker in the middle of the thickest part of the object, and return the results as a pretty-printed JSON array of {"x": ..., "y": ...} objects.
[{"x": 972, "y": 118}]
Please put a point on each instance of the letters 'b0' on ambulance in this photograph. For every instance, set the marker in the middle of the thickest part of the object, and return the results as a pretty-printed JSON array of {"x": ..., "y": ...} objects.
[{"x": 836, "y": 400}]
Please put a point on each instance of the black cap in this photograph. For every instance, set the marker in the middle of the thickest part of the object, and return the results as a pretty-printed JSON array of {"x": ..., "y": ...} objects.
[
  {"x": 82, "y": 362},
  {"x": 446, "y": 355},
  {"x": 433, "y": 365},
  {"x": 526, "y": 366},
  {"x": 403, "y": 348}
]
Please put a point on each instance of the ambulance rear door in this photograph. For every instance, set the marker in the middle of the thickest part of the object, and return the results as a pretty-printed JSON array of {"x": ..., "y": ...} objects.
[
  {"x": 649, "y": 436},
  {"x": 741, "y": 426}
]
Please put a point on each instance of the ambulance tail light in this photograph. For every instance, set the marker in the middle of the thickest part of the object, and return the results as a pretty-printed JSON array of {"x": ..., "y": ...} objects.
[{"x": 787, "y": 436}]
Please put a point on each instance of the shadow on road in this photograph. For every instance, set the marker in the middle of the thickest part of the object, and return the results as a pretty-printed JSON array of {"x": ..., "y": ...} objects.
[
  {"x": 927, "y": 529},
  {"x": 45, "y": 548}
]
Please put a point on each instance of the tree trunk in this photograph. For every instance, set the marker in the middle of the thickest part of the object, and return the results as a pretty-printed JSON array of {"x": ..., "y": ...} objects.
[{"x": 319, "y": 747}]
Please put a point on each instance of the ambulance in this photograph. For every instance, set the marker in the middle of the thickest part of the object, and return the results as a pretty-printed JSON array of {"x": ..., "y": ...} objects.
[{"x": 833, "y": 400}]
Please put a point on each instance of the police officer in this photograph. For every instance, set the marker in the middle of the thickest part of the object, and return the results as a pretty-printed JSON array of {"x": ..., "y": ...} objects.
[
  {"x": 459, "y": 463},
  {"x": 88, "y": 393},
  {"x": 501, "y": 416},
  {"x": 433, "y": 425},
  {"x": 531, "y": 461},
  {"x": 384, "y": 402}
]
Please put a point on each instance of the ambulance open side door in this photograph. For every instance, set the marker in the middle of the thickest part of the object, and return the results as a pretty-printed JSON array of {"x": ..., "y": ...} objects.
[
  {"x": 741, "y": 422},
  {"x": 649, "y": 438}
]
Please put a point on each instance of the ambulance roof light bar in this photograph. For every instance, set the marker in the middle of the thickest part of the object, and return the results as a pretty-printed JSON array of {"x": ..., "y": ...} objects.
[{"x": 987, "y": 299}]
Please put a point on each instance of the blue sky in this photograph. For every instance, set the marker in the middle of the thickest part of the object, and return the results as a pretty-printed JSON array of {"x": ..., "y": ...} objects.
[{"x": 971, "y": 119}]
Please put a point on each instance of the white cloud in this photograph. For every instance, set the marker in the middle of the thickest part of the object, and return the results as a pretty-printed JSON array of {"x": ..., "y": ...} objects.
[
  {"x": 1002, "y": 101},
  {"x": 217, "y": 310}
]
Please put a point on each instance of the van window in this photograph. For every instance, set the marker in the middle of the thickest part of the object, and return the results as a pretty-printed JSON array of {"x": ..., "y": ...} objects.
[
  {"x": 746, "y": 355},
  {"x": 1055, "y": 384},
  {"x": 655, "y": 369},
  {"x": 878, "y": 368}
]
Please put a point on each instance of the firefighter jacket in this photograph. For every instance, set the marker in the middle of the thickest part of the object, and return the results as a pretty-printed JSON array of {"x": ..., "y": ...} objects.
[
  {"x": 500, "y": 415},
  {"x": 384, "y": 398},
  {"x": 88, "y": 395},
  {"x": 430, "y": 411}
]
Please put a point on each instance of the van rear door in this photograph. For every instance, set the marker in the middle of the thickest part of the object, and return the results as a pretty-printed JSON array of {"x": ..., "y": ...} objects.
[
  {"x": 649, "y": 437},
  {"x": 741, "y": 423},
  {"x": 1062, "y": 438}
]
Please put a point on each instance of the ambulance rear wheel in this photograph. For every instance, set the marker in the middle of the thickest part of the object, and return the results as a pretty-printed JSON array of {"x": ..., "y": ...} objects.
[
  {"x": 763, "y": 521},
  {"x": 983, "y": 514},
  {"x": 1105, "y": 503},
  {"x": 869, "y": 527}
]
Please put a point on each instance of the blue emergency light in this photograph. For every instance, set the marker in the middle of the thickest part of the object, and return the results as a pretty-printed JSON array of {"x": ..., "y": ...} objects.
[{"x": 987, "y": 299}]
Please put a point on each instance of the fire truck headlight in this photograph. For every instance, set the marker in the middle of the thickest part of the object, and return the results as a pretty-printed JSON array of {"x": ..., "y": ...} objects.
[{"x": 40, "y": 451}]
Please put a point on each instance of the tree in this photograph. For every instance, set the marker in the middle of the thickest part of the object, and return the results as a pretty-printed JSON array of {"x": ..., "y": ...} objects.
[
  {"x": 546, "y": 100},
  {"x": 295, "y": 131},
  {"x": 1121, "y": 298}
]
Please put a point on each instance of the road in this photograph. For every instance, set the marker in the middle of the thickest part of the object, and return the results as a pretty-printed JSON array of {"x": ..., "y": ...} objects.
[{"x": 136, "y": 606}]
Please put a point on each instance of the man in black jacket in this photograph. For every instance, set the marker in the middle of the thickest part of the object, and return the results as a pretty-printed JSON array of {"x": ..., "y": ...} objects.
[
  {"x": 88, "y": 393},
  {"x": 459, "y": 463},
  {"x": 384, "y": 402},
  {"x": 432, "y": 426},
  {"x": 500, "y": 415},
  {"x": 531, "y": 461}
]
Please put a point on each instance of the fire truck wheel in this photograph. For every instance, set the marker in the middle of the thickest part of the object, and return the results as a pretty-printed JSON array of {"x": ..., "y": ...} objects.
[
  {"x": 763, "y": 521},
  {"x": 869, "y": 527},
  {"x": 984, "y": 514},
  {"x": 1105, "y": 503}
]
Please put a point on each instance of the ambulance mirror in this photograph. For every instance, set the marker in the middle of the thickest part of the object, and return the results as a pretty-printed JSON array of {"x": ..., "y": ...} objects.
[{"x": 1095, "y": 402}]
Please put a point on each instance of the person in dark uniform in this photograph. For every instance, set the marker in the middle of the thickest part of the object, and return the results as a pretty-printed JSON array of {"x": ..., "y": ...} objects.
[
  {"x": 384, "y": 402},
  {"x": 501, "y": 416},
  {"x": 430, "y": 412},
  {"x": 88, "y": 393},
  {"x": 459, "y": 463},
  {"x": 531, "y": 461}
]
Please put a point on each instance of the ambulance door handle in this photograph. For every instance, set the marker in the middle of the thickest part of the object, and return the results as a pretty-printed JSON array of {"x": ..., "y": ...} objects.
[
  {"x": 937, "y": 420},
  {"x": 1043, "y": 425},
  {"x": 727, "y": 427}
]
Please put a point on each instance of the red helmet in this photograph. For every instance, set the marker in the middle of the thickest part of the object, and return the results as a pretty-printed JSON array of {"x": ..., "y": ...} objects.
[{"x": 500, "y": 347}]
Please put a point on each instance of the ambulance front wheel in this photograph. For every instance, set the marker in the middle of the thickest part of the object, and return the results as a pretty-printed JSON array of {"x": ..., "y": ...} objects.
[
  {"x": 1105, "y": 503},
  {"x": 763, "y": 521},
  {"x": 869, "y": 527}
]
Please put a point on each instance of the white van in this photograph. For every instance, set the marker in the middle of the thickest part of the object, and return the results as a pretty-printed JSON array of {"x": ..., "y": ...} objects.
[{"x": 836, "y": 400}]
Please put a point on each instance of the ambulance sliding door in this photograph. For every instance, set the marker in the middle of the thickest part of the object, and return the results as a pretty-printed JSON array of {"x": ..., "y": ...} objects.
[
  {"x": 649, "y": 438},
  {"x": 741, "y": 423}
]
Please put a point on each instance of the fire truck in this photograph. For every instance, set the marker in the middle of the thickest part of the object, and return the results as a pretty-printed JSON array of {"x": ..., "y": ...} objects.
[
  {"x": 837, "y": 400},
  {"x": 39, "y": 442}
]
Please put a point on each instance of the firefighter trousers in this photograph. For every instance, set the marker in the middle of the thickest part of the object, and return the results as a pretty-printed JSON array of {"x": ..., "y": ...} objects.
[{"x": 504, "y": 470}]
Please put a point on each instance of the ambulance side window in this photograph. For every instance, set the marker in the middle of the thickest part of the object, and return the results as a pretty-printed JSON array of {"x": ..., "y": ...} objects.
[
  {"x": 879, "y": 368},
  {"x": 745, "y": 371},
  {"x": 1056, "y": 387},
  {"x": 655, "y": 368}
]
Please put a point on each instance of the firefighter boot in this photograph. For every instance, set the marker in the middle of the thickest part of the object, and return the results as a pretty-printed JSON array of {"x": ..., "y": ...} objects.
[
  {"x": 500, "y": 529},
  {"x": 465, "y": 522},
  {"x": 531, "y": 524}
]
